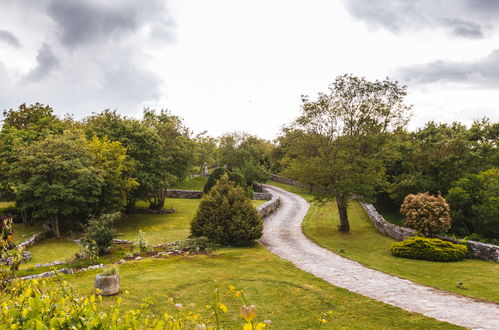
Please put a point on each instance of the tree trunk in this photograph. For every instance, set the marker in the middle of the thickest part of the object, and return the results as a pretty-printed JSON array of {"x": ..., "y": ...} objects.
[
  {"x": 341, "y": 201},
  {"x": 55, "y": 225}
]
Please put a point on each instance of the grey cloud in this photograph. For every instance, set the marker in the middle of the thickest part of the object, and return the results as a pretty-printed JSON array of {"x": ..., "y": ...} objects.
[
  {"x": 9, "y": 38},
  {"x": 483, "y": 72},
  {"x": 462, "y": 18},
  {"x": 463, "y": 28},
  {"x": 85, "y": 22},
  {"x": 46, "y": 62},
  {"x": 91, "y": 56}
]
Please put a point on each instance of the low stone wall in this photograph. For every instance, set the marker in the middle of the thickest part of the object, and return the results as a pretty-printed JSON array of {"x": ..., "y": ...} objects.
[
  {"x": 269, "y": 206},
  {"x": 187, "y": 194},
  {"x": 262, "y": 196},
  {"x": 195, "y": 194},
  {"x": 33, "y": 239},
  {"x": 385, "y": 227}
]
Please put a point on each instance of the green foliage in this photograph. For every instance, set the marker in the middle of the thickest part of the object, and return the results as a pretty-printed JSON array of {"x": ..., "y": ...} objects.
[
  {"x": 474, "y": 202},
  {"x": 432, "y": 249},
  {"x": 57, "y": 179},
  {"x": 142, "y": 242},
  {"x": 159, "y": 146},
  {"x": 99, "y": 233},
  {"x": 336, "y": 145},
  {"x": 110, "y": 271},
  {"x": 429, "y": 215},
  {"x": 254, "y": 173},
  {"x": 226, "y": 216},
  {"x": 234, "y": 176},
  {"x": 433, "y": 157}
]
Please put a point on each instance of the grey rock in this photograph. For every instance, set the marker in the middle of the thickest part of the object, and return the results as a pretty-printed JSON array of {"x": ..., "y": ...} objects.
[{"x": 108, "y": 285}]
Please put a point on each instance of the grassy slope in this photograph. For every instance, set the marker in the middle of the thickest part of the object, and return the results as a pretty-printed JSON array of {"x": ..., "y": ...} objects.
[
  {"x": 22, "y": 232},
  {"x": 365, "y": 245},
  {"x": 292, "y": 299}
]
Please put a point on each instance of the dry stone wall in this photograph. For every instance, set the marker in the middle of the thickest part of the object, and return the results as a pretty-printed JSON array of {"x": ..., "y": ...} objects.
[
  {"x": 269, "y": 206},
  {"x": 187, "y": 194},
  {"x": 195, "y": 194}
]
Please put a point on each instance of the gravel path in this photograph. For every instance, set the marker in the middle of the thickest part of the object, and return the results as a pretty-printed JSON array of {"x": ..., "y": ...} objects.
[{"x": 283, "y": 236}]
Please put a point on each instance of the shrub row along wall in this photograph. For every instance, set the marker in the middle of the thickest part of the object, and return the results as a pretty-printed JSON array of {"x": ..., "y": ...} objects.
[
  {"x": 480, "y": 250},
  {"x": 195, "y": 194}
]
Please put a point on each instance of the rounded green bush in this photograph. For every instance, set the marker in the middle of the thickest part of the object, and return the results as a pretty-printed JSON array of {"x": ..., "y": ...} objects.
[
  {"x": 226, "y": 216},
  {"x": 432, "y": 249}
]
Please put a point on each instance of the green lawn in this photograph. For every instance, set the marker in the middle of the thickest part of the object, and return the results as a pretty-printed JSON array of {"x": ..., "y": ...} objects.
[
  {"x": 192, "y": 183},
  {"x": 366, "y": 245},
  {"x": 291, "y": 298},
  {"x": 51, "y": 249},
  {"x": 22, "y": 232},
  {"x": 162, "y": 228}
]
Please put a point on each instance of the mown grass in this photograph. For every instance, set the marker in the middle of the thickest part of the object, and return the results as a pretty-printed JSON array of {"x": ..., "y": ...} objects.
[
  {"x": 192, "y": 183},
  {"x": 51, "y": 249},
  {"x": 366, "y": 245},
  {"x": 292, "y": 299},
  {"x": 162, "y": 228},
  {"x": 22, "y": 232}
]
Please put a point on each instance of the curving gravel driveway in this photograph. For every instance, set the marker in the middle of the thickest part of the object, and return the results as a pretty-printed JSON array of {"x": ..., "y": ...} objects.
[{"x": 283, "y": 236}]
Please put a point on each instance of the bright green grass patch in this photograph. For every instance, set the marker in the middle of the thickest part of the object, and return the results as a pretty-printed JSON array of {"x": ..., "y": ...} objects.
[
  {"x": 22, "y": 232},
  {"x": 192, "y": 183},
  {"x": 160, "y": 228},
  {"x": 291, "y": 298},
  {"x": 163, "y": 228},
  {"x": 51, "y": 249},
  {"x": 366, "y": 245}
]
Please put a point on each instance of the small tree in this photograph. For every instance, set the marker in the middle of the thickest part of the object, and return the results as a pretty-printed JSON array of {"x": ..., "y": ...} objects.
[
  {"x": 234, "y": 176},
  {"x": 226, "y": 216},
  {"x": 429, "y": 215},
  {"x": 99, "y": 232}
]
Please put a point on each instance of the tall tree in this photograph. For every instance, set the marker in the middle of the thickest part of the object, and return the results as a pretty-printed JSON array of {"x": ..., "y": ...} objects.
[
  {"x": 57, "y": 179},
  {"x": 338, "y": 138}
]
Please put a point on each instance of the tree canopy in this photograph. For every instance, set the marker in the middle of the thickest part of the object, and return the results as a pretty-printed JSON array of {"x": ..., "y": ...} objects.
[{"x": 336, "y": 144}]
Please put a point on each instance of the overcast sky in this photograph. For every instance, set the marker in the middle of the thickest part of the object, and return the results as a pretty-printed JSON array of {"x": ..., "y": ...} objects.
[{"x": 226, "y": 65}]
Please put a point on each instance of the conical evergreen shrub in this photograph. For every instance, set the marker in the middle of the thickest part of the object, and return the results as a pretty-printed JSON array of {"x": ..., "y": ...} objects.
[{"x": 226, "y": 216}]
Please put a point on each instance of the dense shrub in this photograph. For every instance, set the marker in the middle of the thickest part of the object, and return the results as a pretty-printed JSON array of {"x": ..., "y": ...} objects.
[
  {"x": 234, "y": 176},
  {"x": 475, "y": 204},
  {"x": 433, "y": 249},
  {"x": 429, "y": 215},
  {"x": 99, "y": 233},
  {"x": 226, "y": 216}
]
